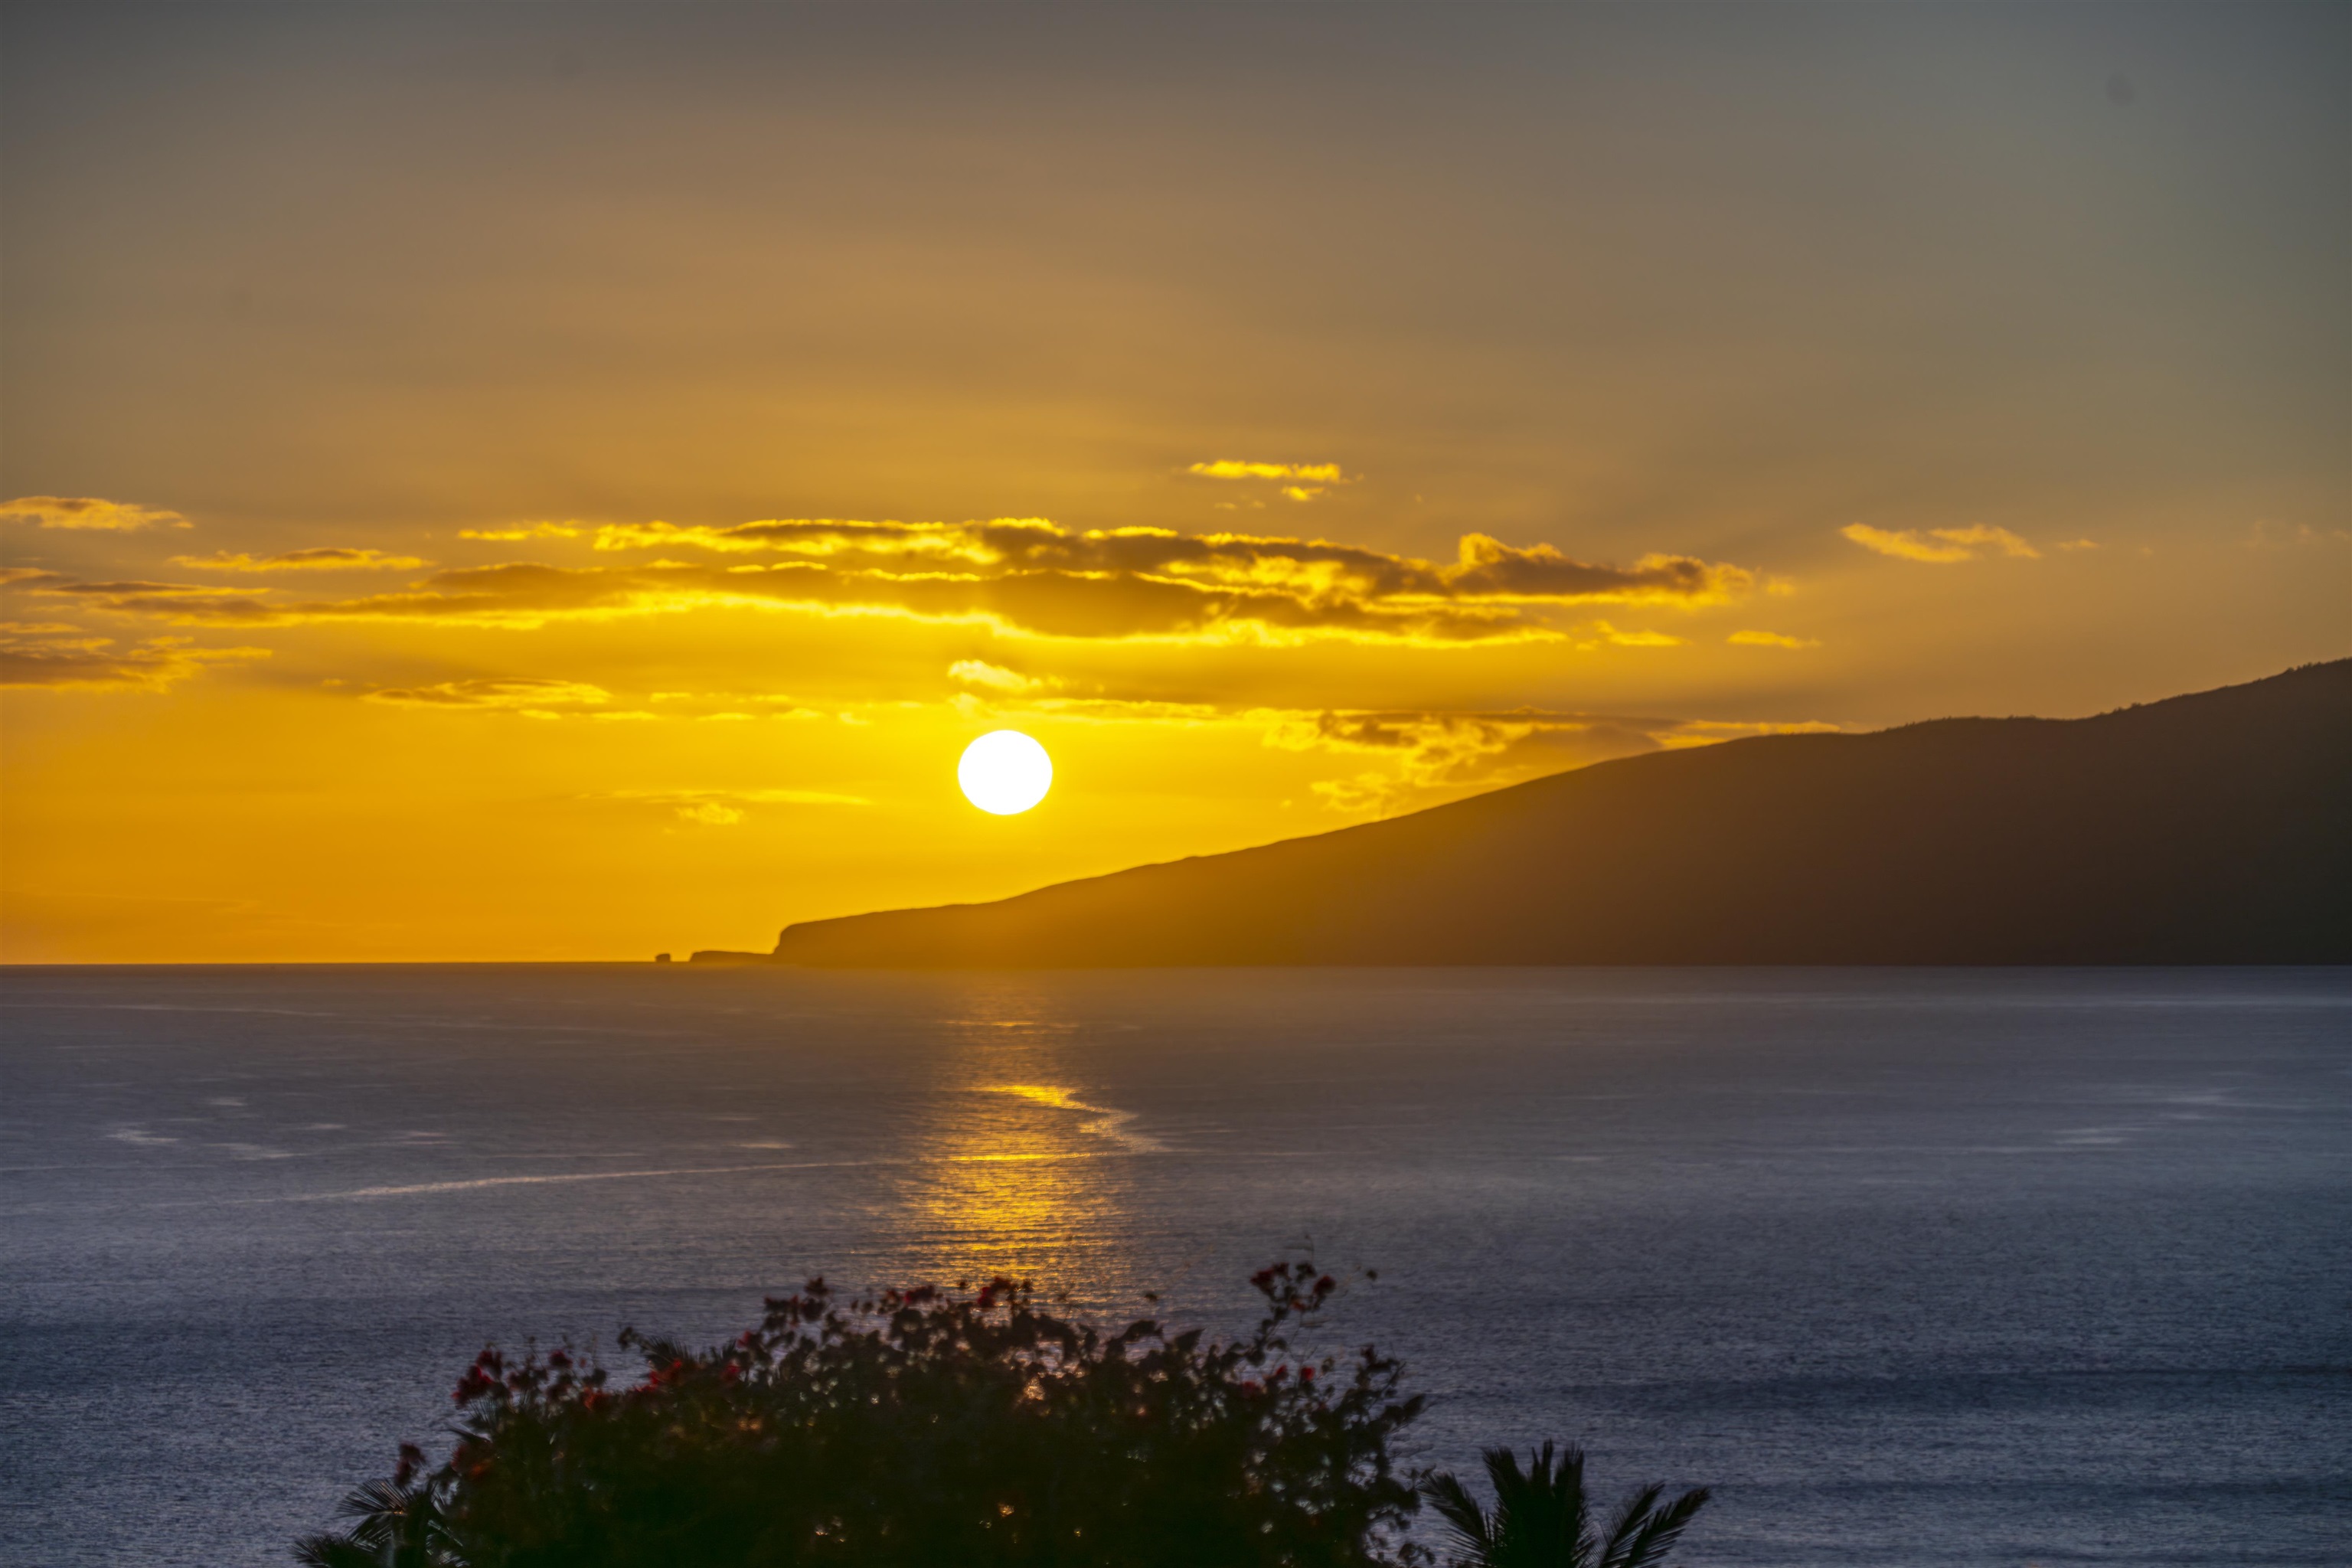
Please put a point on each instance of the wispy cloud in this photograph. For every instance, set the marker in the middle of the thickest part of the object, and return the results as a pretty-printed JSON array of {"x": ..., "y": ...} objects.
[
  {"x": 1235, "y": 468},
  {"x": 130, "y": 596},
  {"x": 1021, "y": 576},
  {"x": 502, "y": 693},
  {"x": 989, "y": 676},
  {"x": 86, "y": 512},
  {"x": 1940, "y": 546},
  {"x": 1769, "y": 639},
  {"x": 43, "y": 655},
  {"x": 724, "y": 807},
  {"x": 1431, "y": 753},
  {"x": 326, "y": 558},
  {"x": 525, "y": 531},
  {"x": 1305, "y": 480},
  {"x": 1604, "y": 632},
  {"x": 2269, "y": 535}
]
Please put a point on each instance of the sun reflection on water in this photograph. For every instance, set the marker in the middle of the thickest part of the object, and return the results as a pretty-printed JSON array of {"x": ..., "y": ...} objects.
[{"x": 1021, "y": 1167}]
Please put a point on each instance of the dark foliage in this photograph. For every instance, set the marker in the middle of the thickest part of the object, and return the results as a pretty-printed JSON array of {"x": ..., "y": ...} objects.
[
  {"x": 919, "y": 1429},
  {"x": 1541, "y": 1518}
]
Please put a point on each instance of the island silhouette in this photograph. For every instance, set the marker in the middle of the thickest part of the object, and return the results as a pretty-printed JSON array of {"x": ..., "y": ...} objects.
[{"x": 2209, "y": 828}]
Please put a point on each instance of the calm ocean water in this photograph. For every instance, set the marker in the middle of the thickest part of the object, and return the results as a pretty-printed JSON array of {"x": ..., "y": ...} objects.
[{"x": 1914, "y": 1268}]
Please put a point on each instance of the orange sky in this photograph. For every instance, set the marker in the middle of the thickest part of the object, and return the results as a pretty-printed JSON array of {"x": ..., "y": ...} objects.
[{"x": 566, "y": 482}]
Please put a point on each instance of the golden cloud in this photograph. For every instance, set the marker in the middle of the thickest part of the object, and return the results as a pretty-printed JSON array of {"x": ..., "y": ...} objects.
[
  {"x": 525, "y": 531},
  {"x": 723, "y": 807},
  {"x": 129, "y": 595},
  {"x": 1234, "y": 468},
  {"x": 86, "y": 512},
  {"x": 506, "y": 692},
  {"x": 1608, "y": 634},
  {"x": 43, "y": 655},
  {"x": 1940, "y": 546},
  {"x": 826, "y": 537},
  {"x": 1438, "y": 750},
  {"x": 1769, "y": 639},
  {"x": 326, "y": 558},
  {"x": 993, "y": 677},
  {"x": 1021, "y": 576}
]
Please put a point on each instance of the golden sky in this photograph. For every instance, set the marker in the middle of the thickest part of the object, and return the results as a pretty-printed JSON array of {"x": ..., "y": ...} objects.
[{"x": 567, "y": 481}]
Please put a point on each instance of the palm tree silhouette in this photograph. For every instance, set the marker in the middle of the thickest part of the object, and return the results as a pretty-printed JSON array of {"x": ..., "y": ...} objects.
[
  {"x": 399, "y": 1526},
  {"x": 1542, "y": 1519}
]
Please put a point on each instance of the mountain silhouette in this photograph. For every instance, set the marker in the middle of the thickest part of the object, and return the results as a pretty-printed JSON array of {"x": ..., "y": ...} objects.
[{"x": 2212, "y": 828}]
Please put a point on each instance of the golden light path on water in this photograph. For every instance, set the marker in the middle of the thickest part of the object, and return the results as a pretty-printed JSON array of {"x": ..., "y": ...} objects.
[{"x": 1017, "y": 1170}]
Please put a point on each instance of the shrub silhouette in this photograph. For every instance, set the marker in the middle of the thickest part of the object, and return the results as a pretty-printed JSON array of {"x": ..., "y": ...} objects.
[{"x": 918, "y": 1430}]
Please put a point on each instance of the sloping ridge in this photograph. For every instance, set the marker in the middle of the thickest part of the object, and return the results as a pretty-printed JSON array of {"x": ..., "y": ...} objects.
[{"x": 2213, "y": 828}]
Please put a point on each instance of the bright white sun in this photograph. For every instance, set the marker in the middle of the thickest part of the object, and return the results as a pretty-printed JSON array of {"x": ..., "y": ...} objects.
[{"x": 1005, "y": 771}]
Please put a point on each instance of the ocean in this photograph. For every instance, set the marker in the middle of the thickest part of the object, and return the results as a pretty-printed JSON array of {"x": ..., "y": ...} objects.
[{"x": 1911, "y": 1266}]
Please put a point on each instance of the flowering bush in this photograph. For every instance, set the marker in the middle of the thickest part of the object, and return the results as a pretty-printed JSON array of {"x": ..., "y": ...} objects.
[{"x": 921, "y": 1428}]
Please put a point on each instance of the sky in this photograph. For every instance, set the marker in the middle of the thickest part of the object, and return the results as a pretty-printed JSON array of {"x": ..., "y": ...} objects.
[{"x": 567, "y": 481}]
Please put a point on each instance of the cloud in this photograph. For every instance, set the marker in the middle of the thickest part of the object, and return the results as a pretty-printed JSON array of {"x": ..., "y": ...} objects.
[
  {"x": 1940, "y": 546},
  {"x": 1365, "y": 792},
  {"x": 1769, "y": 639},
  {"x": 525, "y": 531},
  {"x": 86, "y": 512},
  {"x": 49, "y": 655},
  {"x": 779, "y": 705},
  {"x": 132, "y": 596},
  {"x": 1021, "y": 576},
  {"x": 326, "y": 558},
  {"x": 1615, "y": 638},
  {"x": 723, "y": 807},
  {"x": 1234, "y": 468},
  {"x": 1490, "y": 569},
  {"x": 1486, "y": 569},
  {"x": 1435, "y": 752},
  {"x": 993, "y": 677},
  {"x": 2269, "y": 535},
  {"x": 515, "y": 692},
  {"x": 979, "y": 544}
]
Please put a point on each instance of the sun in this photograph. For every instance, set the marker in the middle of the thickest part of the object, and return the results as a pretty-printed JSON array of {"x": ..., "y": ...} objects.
[{"x": 1005, "y": 771}]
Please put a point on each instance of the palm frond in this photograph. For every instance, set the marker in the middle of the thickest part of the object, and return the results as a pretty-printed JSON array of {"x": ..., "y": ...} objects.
[
  {"x": 1645, "y": 1532},
  {"x": 335, "y": 1551},
  {"x": 1467, "y": 1521}
]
